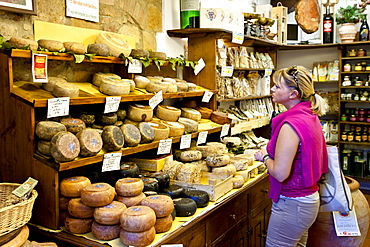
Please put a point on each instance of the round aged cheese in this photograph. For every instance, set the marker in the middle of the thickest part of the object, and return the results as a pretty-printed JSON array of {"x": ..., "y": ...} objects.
[
  {"x": 176, "y": 128},
  {"x": 150, "y": 184},
  {"x": 191, "y": 113},
  {"x": 171, "y": 87},
  {"x": 63, "y": 202},
  {"x": 204, "y": 112},
  {"x": 108, "y": 118},
  {"x": 189, "y": 173},
  {"x": 89, "y": 119},
  {"x": 109, "y": 214},
  {"x": 113, "y": 86},
  {"x": 137, "y": 239},
  {"x": 99, "y": 76},
  {"x": 161, "y": 204},
  {"x": 77, "y": 225},
  {"x": 98, "y": 194},
  {"x": 79, "y": 210},
  {"x": 168, "y": 113},
  {"x": 65, "y": 89},
  {"x": 185, "y": 207},
  {"x": 50, "y": 45},
  {"x": 112, "y": 138},
  {"x": 73, "y": 125},
  {"x": 207, "y": 150},
  {"x": 174, "y": 191},
  {"x": 104, "y": 232},
  {"x": 130, "y": 201},
  {"x": 146, "y": 131},
  {"x": 190, "y": 155},
  {"x": 121, "y": 114},
  {"x": 47, "y": 129},
  {"x": 128, "y": 121},
  {"x": 163, "y": 224},
  {"x": 161, "y": 131},
  {"x": 131, "y": 135},
  {"x": 141, "y": 81},
  {"x": 157, "y": 55},
  {"x": 227, "y": 170},
  {"x": 49, "y": 86},
  {"x": 190, "y": 125},
  {"x": 137, "y": 219},
  {"x": 75, "y": 47},
  {"x": 162, "y": 178},
  {"x": 64, "y": 146},
  {"x": 156, "y": 86},
  {"x": 127, "y": 169},
  {"x": 182, "y": 86},
  {"x": 191, "y": 87},
  {"x": 200, "y": 197},
  {"x": 132, "y": 84},
  {"x": 98, "y": 49},
  {"x": 116, "y": 43},
  {"x": 238, "y": 181},
  {"x": 216, "y": 160},
  {"x": 72, "y": 186},
  {"x": 219, "y": 147},
  {"x": 20, "y": 43},
  {"x": 220, "y": 117},
  {"x": 139, "y": 113},
  {"x": 139, "y": 53},
  {"x": 90, "y": 142},
  {"x": 129, "y": 186}
]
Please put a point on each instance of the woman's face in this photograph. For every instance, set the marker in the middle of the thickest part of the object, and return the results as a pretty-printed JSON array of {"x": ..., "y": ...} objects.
[{"x": 281, "y": 92}]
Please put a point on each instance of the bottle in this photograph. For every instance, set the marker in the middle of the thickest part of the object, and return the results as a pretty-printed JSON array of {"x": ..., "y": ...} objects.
[
  {"x": 364, "y": 30},
  {"x": 328, "y": 27},
  {"x": 189, "y": 16}
]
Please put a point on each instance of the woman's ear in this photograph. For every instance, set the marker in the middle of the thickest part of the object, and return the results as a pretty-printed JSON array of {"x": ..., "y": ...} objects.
[{"x": 294, "y": 94}]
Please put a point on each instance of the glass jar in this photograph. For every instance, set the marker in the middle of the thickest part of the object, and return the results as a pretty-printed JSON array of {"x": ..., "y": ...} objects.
[
  {"x": 358, "y": 137},
  {"x": 361, "y": 53},
  {"x": 361, "y": 118},
  {"x": 350, "y": 137},
  {"x": 343, "y": 117},
  {"x": 363, "y": 64},
  {"x": 347, "y": 67},
  {"x": 361, "y": 111},
  {"x": 346, "y": 81},
  {"x": 343, "y": 136},
  {"x": 353, "y": 118},
  {"x": 352, "y": 53},
  {"x": 358, "y": 128},
  {"x": 358, "y": 67},
  {"x": 356, "y": 97},
  {"x": 364, "y": 137}
]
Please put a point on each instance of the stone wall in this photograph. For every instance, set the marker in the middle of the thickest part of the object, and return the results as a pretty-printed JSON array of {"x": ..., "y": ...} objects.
[{"x": 140, "y": 19}]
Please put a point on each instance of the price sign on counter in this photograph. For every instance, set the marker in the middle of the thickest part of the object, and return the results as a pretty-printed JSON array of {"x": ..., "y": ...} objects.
[
  {"x": 111, "y": 104},
  {"x": 111, "y": 162},
  {"x": 58, "y": 107},
  {"x": 135, "y": 67},
  {"x": 185, "y": 141},
  {"x": 227, "y": 71},
  {"x": 164, "y": 146},
  {"x": 202, "y": 137},
  {"x": 156, "y": 99},
  {"x": 207, "y": 96},
  {"x": 225, "y": 130},
  {"x": 238, "y": 38}
]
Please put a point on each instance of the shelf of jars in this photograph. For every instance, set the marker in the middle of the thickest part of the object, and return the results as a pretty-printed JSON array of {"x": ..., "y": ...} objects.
[{"x": 355, "y": 72}]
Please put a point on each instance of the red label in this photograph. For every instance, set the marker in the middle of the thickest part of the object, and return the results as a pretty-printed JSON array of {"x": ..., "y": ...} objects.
[{"x": 328, "y": 26}]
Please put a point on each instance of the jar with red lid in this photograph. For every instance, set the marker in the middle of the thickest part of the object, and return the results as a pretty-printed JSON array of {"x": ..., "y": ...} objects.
[
  {"x": 353, "y": 118},
  {"x": 361, "y": 111},
  {"x": 361, "y": 118}
]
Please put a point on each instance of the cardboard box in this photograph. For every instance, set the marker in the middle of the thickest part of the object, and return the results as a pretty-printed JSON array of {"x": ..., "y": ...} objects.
[{"x": 154, "y": 164}]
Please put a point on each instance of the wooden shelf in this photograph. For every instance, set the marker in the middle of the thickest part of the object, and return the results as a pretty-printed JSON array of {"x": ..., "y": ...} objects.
[
  {"x": 354, "y": 87},
  {"x": 355, "y": 72},
  {"x": 349, "y": 122},
  {"x": 243, "y": 69},
  {"x": 355, "y": 143},
  {"x": 245, "y": 98},
  {"x": 354, "y": 101},
  {"x": 355, "y": 58}
]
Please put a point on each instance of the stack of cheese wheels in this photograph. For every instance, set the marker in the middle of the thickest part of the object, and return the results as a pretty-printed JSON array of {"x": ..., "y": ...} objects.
[
  {"x": 64, "y": 146},
  {"x": 113, "y": 86},
  {"x": 116, "y": 42},
  {"x": 130, "y": 191},
  {"x": 99, "y": 76},
  {"x": 161, "y": 131},
  {"x": 137, "y": 224},
  {"x": 168, "y": 113},
  {"x": 139, "y": 113},
  {"x": 163, "y": 207},
  {"x": 176, "y": 128},
  {"x": 45, "y": 130},
  {"x": 191, "y": 113},
  {"x": 98, "y": 194}
]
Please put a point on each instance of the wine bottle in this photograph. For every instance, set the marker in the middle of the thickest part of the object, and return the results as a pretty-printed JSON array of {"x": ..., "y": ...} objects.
[
  {"x": 189, "y": 16},
  {"x": 328, "y": 27},
  {"x": 364, "y": 30}
]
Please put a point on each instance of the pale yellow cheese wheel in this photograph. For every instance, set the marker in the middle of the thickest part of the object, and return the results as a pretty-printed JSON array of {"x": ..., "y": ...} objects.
[
  {"x": 168, "y": 113},
  {"x": 176, "y": 128},
  {"x": 161, "y": 131},
  {"x": 139, "y": 113}
]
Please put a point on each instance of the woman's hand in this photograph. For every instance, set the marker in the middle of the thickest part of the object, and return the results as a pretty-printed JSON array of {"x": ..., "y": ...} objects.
[{"x": 259, "y": 155}]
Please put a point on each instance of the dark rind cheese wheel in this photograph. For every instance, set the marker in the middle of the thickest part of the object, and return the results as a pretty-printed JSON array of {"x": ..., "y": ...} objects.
[
  {"x": 79, "y": 210},
  {"x": 98, "y": 194},
  {"x": 47, "y": 129},
  {"x": 75, "y": 47},
  {"x": 205, "y": 112},
  {"x": 185, "y": 207},
  {"x": 174, "y": 191},
  {"x": 146, "y": 131},
  {"x": 72, "y": 186},
  {"x": 109, "y": 214},
  {"x": 157, "y": 55},
  {"x": 131, "y": 135},
  {"x": 78, "y": 226},
  {"x": 121, "y": 114},
  {"x": 139, "y": 53},
  {"x": 108, "y": 118},
  {"x": 104, "y": 232},
  {"x": 162, "y": 205},
  {"x": 73, "y": 125},
  {"x": 150, "y": 184},
  {"x": 98, "y": 49},
  {"x": 64, "y": 146},
  {"x": 163, "y": 224},
  {"x": 200, "y": 197},
  {"x": 130, "y": 201},
  {"x": 63, "y": 202},
  {"x": 89, "y": 119},
  {"x": 90, "y": 142},
  {"x": 163, "y": 180},
  {"x": 137, "y": 219},
  {"x": 137, "y": 239},
  {"x": 44, "y": 147},
  {"x": 112, "y": 138},
  {"x": 173, "y": 214},
  {"x": 129, "y": 186},
  {"x": 127, "y": 170}
]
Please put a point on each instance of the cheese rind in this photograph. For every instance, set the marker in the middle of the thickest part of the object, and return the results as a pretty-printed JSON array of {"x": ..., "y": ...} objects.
[
  {"x": 176, "y": 128},
  {"x": 49, "y": 86},
  {"x": 98, "y": 194},
  {"x": 75, "y": 47},
  {"x": 73, "y": 125},
  {"x": 168, "y": 113},
  {"x": 104, "y": 232},
  {"x": 90, "y": 142},
  {"x": 161, "y": 131},
  {"x": 141, "y": 81},
  {"x": 47, "y": 129},
  {"x": 130, "y": 201},
  {"x": 191, "y": 126},
  {"x": 65, "y": 89},
  {"x": 78, "y": 226},
  {"x": 109, "y": 214},
  {"x": 72, "y": 186},
  {"x": 114, "y": 87},
  {"x": 112, "y": 137},
  {"x": 64, "y": 146},
  {"x": 190, "y": 155},
  {"x": 79, "y": 210},
  {"x": 137, "y": 239},
  {"x": 139, "y": 113},
  {"x": 163, "y": 224},
  {"x": 51, "y": 45},
  {"x": 20, "y": 43},
  {"x": 131, "y": 135},
  {"x": 98, "y": 49},
  {"x": 99, "y": 76},
  {"x": 191, "y": 113},
  {"x": 137, "y": 219},
  {"x": 129, "y": 186},
  {"x": 161, "y": 204},
  {"x": 146, "y": 131}
]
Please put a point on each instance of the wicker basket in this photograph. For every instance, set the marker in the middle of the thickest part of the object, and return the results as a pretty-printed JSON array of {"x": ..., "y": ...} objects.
[{"x": 14, "y": 216}]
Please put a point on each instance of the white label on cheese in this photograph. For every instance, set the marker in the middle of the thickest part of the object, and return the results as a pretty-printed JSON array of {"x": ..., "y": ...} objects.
[
  {"x": 111, "y": 162},
  {"x": 185, "y": 141},
  {"x": 156, "y": 99},
  {"x": 238, "y": 38},
  {"x": 58, "y": 107},
  {"x": 111, "y": 104},
  {"x": 164, "y": 146},
  {"x": 197, "y": 68},
  {"x": 135, "y": 67},
  {"x": 207, "y": 96},
  {"x": 225, "y": 130},
  {"x": 227, "y": 71},
  {"x": 202, "y": 137}
]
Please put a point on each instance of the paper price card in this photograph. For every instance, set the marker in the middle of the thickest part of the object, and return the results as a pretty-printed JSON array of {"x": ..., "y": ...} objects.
[
  {"x": 201, "y": 64},
  {"x": 238, "y": 38},
  {"x": 111, "y": 104},
  {"x": 225, "y": 130},
  {"x": 164, "y": 146},
  {"x": 202, "y": 137},
  {"x": 135, "y": 66},
  {"x": 268, "y": 72},
  {"x": 346, "y": 223},
  {"x": 207, "y": 96},
  {"x": 111, "y": 162},
  {"x": 58, "y": 107},
  {"x": 227, "y": 71},
  {"x": 185, "y": 141},
  {"x": 156, "y": 99}
]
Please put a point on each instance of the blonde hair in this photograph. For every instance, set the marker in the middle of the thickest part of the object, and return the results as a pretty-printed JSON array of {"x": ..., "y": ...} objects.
[{"x": 299, "y": 78}]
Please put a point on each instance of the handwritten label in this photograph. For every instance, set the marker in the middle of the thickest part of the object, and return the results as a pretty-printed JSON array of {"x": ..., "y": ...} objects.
[
  {"x": 156, "y": 99},
  {"x": 111, "y": 104},
  {"x": 164, "y": 146},
  {"x": 227, "y": 71},
  {"x": 207, "y": 96},
  {"x": 83, "y": 9},
  {"x": 346, "y": 223},
  {"x": 201, "y": 64},
  {"x": 202, "y": 137},
  {"x": 225, "y": 130},
  {"x": 185, "y": 141},
  {"x": 39, "y": 67},
  {"x": 111, "y": 162},
  {"x": 58, "y": 107},
  {"x": 238, "y": 38},
  {"x": 135, "y": 66}
]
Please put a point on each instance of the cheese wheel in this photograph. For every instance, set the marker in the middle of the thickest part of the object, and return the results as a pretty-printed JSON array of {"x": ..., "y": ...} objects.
[
  {"x": 157, "y": 55},
  {"x": 191, "y": 113},
  {"x": 150, "y": 184},
  {"x": 130, "y": 201},
  {"x": 191, "y": 126},
  {"x": 90, "y": 142},
  {"x": 190, "y": 155},
  {"x": 20, "y": 43},
  {"x": 185, "y": 207},
  {"x": 146, "y": 131},
  {"x": 168, "y": 79},
  {"x": 99, "y": 76},
  {"x": 141, "y": 81},
  {"x": 182, "y": 86},
  {"x": 98, "y": 194},
  {"x": 117, "y": 43},
  {"x": 219, "y": 147},
  {"x": 89, "y": 119},
  {"x": 78, "y": 226},
  {"x": 72, "y": 186},
  {"x": 217, "y": 160},
  {"x": 47, "y": 129},
  {"x": 161, "y": 131},
  {"x": 174, "y": 191},
  {"x": 131, "y": 135},
  {"x": 65, "y": 89},
  {"x": 156, "y": 86},
  {"x": 127, "y": 169},
  {"x": 112, "y": 137},
  {"x": 104, "y": 232},
  {"x": 228, "y": 170},
  {"x": 168, "y": 113},
  {"x": 162, "y": 178},
  {"x": 49, "y": 86},
  {"x": 176, "y": 128},
  {"x": 98, "y": 49},
  {"x": 79, "y": 210},
  {"x": 64, "y": 146},
  {"x": 108, "y": 118},
  {"x": 204, "y": 112},
  {"x": 132, "y": 84},
  {"x": 162, "y": 205},
  {"x": 139, "y": 113},
  {"x": 128, "y": 121},
  {"x": 113, "y": 87},
  {"x": 109, "y": 214},
  {"x": 129, "y": 186},
  {"x": 202, "y": 164},
  {"x": 238, "y": 181},
  {"x": 191, "y": 87},
  {"x": 163, "y": 224},
  {"x": 73, "y": 125},
  {"x": 139, "y": 53},
  {"x": 206, "y": 150},
  {"x": 189, "y": 173},
  {"x": 200, "y": 197},
  {"x": 137, "y": 239},
  {"x": 137, "y": 219},
  {"x": 121, "y": 114},
  {"x": 51, "y": 45},
  {"x": 171, "y": 87},
  {"x": 44, "y": 147},
  {"x": 75, "y": 47},
  {"x": 220, "y": 117},
  {"x": 63, "y": 202}
]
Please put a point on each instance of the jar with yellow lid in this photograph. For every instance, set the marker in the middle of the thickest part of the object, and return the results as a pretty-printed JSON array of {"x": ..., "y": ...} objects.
[
  {"x": 358, "y": 67},
  {"x": 351, "y": 53}
]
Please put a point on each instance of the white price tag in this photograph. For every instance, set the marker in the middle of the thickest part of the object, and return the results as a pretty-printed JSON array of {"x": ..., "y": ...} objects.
[
  {"x": 201, "y": 64},
  {"x": 111, "y": 162},
  {"x": 202, "y": 137},
  {"x": 207, "y": 96},
  {"x": 346, "y": 223},
  {"x": 268, "y": 72},
  {"x": 111, "y": 104},
  {"x": 238, "y": 38},
  {"x": 156, "y": 99},
  {"x": 164, "y": 146},
  {"x": 58, "y": 107},
  {"x": 227, "y": 71},
  {"x": 185, "y": 141},
  {"x": 135, "y": 67},
  {"x": 225, "y": 130}
]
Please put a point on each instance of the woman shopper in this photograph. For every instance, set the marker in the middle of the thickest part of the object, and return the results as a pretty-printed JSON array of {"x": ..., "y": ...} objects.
[{"x": 295, "y": 157}]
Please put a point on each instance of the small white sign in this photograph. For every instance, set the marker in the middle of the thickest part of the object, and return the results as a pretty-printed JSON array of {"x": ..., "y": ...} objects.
[
  {"x": 268, "y": 72},
  {"x": 185, "y": 141},
  {"x": 225, "y": 130},
  {"x": 227, "y": 71},
  {"x": 156, "y": 99},
  {"x": 135, "y": 67},
  {"x": 111, "y": 104},
  {"x": 346, "y": 223},
  {"x": 238, "y": 38},
  {"x": 202, "y": 137},
  {"x": 201, "y": 64},
  {"x": 207, "y": 96},
  {"x": 58, "y": 107},
  {"x": 83, "y": 9},
  {"x": 111, "y": 162},
  {"x": 164, "y": 146}
]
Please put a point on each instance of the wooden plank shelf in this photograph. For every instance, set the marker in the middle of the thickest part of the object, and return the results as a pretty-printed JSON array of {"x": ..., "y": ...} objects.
[
  {"x": 354, "y": 101},
  {"x": 245, "y": 98},
  {"x": 354, "y": 87},
  {"x": 349, "y": 122},
  {"x": 355, "y": 58},
  {"x": 355, "y": 143}
]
